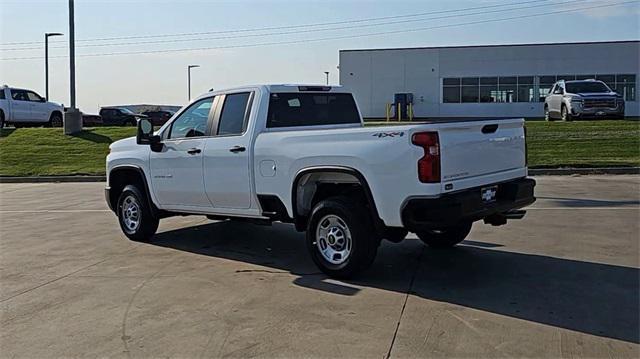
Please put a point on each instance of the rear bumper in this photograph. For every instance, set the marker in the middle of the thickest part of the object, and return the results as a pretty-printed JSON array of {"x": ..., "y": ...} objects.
[{"x": 467, "y": 205}]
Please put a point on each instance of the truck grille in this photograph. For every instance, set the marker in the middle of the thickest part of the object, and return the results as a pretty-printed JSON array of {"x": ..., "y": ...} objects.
[{"x": 600, "y": 103}]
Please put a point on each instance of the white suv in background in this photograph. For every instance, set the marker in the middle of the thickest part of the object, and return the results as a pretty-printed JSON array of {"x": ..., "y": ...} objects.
[
  {"x": 22, "y": 107},
  {"x": 583, "y": 98}
]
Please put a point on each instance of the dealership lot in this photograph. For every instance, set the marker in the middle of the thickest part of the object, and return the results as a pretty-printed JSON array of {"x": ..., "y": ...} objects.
[{"x": 562, "y": 282}]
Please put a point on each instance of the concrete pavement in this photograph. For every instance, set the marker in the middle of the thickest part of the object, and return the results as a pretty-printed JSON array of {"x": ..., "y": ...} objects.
[{"x": 563, "y": 282}]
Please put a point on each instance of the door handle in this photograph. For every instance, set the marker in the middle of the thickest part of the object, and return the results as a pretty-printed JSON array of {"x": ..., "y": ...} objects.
[
  {"x": 193, "y": 151},
  {"x": 235, "y": 149}
]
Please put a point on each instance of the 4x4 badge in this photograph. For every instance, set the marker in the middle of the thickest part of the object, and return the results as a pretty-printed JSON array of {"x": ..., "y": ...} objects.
[{"x": 388, "y": 134}]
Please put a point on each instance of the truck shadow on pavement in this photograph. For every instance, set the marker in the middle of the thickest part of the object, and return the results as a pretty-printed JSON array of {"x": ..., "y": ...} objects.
[
  {"x": 592, "y": 298},
  {"x": 576, "y": 202}
]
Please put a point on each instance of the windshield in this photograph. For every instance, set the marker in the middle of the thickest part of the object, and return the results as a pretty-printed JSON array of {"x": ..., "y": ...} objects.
[
  {"x": 586, "y": 87},
  {"x": 127, "y": 111}
]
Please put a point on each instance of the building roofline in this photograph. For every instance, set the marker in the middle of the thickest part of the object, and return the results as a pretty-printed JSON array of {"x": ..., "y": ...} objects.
[{"x": 492, "y": 46}]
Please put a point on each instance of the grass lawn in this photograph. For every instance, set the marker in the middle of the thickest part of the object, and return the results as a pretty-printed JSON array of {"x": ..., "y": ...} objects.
[{"x": 46, "y": 151}]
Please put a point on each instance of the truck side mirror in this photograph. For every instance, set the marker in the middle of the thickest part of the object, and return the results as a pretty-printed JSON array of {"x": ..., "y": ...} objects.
[{"x": 145, "y": 134}]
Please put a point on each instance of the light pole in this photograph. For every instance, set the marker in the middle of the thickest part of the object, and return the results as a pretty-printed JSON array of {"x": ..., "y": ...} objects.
[
  {"x": 327, "y": 73},
  {"x": 46, "y": 62},
  {"x": 72, "y": 117},
  {"x": 189, "y": 80}
]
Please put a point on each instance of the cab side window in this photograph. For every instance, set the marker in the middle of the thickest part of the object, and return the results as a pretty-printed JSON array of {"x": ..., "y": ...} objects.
[
  {"x": 193, "y": 121},
  {"x": 19, "y": 95},
  {"x": 558, "y": 90},
  {"x": 34, "y": 97},
  {"x": 235, "y": 112}
]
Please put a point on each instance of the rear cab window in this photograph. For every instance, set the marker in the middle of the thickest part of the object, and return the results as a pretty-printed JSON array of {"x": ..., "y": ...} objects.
[{"x": 295, "y": 109}]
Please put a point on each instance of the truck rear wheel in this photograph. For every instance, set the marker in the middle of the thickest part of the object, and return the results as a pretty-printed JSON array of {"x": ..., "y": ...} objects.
[
  {"x": 445, "y": 237},
  {"x": 134, "y": 214},
  {"x": 340, "y": 237}
]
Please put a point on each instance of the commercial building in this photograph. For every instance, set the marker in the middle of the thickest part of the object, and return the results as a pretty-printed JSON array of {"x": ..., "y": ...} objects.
[{"x": 485, "y": 81}]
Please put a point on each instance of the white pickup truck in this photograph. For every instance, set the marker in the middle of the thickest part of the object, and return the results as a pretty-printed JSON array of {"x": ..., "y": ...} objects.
[
  {"x": 300, "y": 154},
  {"x": 22, "y": 107}
]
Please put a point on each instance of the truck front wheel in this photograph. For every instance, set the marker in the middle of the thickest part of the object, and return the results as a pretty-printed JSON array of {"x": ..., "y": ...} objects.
[
  {"x": 445, "y": 237},
  {"x": 55, "y": 120},
  {"x": 340, "y": 237},
  {"x": 134, "y": 214}
]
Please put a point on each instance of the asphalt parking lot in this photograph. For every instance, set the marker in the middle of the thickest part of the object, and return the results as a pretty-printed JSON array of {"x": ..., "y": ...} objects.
[{"x": 563, "y": 282}]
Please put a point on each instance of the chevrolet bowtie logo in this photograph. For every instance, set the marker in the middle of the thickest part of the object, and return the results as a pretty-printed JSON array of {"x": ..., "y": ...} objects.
[{"x": 488, "y": 195}]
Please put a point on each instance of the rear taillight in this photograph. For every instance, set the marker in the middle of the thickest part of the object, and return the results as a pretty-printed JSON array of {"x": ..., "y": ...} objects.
[{"x": 429, "y": 164}]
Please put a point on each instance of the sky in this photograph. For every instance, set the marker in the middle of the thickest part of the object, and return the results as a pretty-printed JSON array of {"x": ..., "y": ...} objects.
[{"x": 229, "y": 59}]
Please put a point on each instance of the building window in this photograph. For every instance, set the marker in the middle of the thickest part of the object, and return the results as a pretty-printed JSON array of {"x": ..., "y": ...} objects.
[
  {"x": 470, "y": 91},
  {"x": 566, "y": 77},
  {"x": 507, "y": 87},
  {"x": 488, "y": 89},
  {"x": 451, "y": 90},
  {"x": 610, "y": 80},
  {"x": 626, "y": 86},
  {"x": 525, "y": 89},
  {"x": 546, "y": 83}
]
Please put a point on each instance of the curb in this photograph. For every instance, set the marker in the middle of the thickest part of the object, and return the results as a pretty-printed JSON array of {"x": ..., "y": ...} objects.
[
  {"x": 52, "y": 179},
  {"x": 584, "y": 171}
]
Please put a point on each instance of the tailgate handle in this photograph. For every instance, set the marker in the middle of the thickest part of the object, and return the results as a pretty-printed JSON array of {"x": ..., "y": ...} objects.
[{"x": 489, "y": 128}]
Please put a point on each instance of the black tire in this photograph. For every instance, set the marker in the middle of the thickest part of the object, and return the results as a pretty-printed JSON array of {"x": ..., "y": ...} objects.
[
  {"x": 564, "y": 114},
  {"x": 395, "y": 234},
  {"x": 547, "y": 115},
  {"x": 55, "y": 120},
  {"x": 1, "y": 120},
  {"x": 133, "y": 200},
  {"x": 129, "y": 122},
  {"x": 351, "y": 226},
  {"x": 446, "y": 237}
]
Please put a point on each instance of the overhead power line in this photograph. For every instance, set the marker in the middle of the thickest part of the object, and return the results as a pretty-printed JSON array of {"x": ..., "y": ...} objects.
[
  {"x": 339, "y": 37},
  {"x": 307, "y": 30},
  {"x": 288, "y": 26}
]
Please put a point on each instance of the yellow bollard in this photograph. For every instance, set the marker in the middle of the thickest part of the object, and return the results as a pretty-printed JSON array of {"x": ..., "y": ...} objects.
[
  {"x": 387, "y": 109},
  {"x": 399, "y": 111}
]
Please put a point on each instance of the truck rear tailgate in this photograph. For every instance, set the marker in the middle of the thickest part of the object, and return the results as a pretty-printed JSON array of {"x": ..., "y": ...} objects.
[{"x": 475, "y": 153}]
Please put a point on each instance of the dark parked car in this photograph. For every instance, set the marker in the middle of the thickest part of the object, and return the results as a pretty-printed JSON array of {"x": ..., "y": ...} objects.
[
  {"x": 91, "y": 120},
  {"x": 158, "y": 118},
  {"x": 119, "y": 116}
]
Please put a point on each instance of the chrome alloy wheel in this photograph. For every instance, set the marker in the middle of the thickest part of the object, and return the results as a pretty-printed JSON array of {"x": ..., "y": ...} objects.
[
  {"x": 333, "y": 239},
  {"x": 130, "y": 212}
]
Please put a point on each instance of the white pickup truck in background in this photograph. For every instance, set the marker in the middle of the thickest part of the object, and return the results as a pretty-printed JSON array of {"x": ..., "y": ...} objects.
[
  {"x": 300, "y": 154},
  {"x": 22, "y": 107}
]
